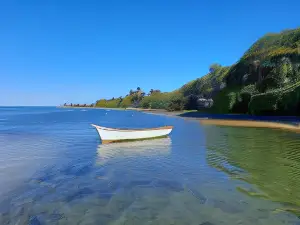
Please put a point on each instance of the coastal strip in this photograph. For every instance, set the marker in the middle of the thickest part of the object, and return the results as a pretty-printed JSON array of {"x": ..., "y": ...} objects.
[
  {"x": 230, "y": 122},
  {"x": 208, "y": 121}
]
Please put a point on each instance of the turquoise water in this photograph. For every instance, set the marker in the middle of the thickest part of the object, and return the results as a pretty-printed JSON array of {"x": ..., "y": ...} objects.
[{"x": 54, "y": 170}]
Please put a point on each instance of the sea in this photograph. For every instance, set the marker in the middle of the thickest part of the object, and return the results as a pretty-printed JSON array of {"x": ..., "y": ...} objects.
[{"x": 54, "y": 170}]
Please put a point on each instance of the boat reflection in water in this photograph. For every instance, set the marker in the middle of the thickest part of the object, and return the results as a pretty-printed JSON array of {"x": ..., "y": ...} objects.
[{"x": 145, "y": 148}]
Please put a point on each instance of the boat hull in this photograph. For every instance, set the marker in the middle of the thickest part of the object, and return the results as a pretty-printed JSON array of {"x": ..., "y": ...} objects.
[{"x": 109, "y": 135}]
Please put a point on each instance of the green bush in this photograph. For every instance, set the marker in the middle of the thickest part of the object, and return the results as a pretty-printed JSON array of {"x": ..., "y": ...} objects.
[
  {"x": 157, "y": 100},
  {"x": 283, "y": 101},
  {"x": 101, "y": 103},
  {"x": 126, "y": 102},
  {"x": 264, "y": 104},
  {"x": 191, "y": 102},
  {"x": 177, "y": 103},
  {"x": 114, "y": 103}
]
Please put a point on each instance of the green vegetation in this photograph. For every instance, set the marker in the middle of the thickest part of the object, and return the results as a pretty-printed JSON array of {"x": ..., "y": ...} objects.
[
  {"x": 264, "y": 81},
  {"x": 284, "y": 101}
]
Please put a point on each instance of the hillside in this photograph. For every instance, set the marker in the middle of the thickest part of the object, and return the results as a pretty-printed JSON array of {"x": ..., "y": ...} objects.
[{"x": 269, "y": 68}]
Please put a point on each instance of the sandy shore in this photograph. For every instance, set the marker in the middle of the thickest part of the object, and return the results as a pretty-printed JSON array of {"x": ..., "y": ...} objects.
[
  {"x": 229, "y": 122},
  {"x": 206, "y": 121},
  {"x": 248, "y": 123}
]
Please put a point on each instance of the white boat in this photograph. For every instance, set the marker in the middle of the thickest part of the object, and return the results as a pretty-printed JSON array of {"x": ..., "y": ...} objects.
[{"x": 109, "y": 135}]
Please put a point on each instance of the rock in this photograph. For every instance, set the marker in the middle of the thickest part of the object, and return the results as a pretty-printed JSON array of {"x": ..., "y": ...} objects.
[
  {"x": 198, "y": 195},
  {"x": 34, "y": 221},
  {"x": 78, "y": 170},
  {"x": 206, "y": 223},
  {"x": 79, "y": 194},
  {"x": 169, "y": 185},
  {"x": 55, "y": 216},
  {"x": 226, "y": 207}
]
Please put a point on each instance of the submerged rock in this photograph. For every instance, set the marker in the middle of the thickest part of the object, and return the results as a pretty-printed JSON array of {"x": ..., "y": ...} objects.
[
  {"x": 198, "y": 195},
  {"x": 206, "y": 223},
  {"x": 34, "y": 221},
  {"x": 169, "y": 185},
  {"x": 55, "y": 216},
  {"x": 78, "y": 170},
  {"x": 79, "y": 194},
  {"x": 136, "y": 183},
  {"x": 226, "y": 207}
]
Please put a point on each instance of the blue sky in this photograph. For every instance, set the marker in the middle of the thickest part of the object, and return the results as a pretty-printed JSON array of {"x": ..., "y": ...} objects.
[{"x": 56, "y": 51}]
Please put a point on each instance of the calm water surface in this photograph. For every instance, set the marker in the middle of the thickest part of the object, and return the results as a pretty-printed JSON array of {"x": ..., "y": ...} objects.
[{"x": 54, "y": 170}]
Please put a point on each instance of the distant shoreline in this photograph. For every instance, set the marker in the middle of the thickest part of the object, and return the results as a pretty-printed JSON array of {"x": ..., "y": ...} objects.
[{"x": 129, "y": 108}]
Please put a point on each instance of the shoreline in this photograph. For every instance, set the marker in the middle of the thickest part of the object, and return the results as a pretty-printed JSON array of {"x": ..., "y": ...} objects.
[
  {"x": 271, "y": 124},
  {"x": 229, "y": 120}
]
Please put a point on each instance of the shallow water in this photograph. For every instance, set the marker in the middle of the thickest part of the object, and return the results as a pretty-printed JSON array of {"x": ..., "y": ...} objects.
[{"x": 54, "y": 170}]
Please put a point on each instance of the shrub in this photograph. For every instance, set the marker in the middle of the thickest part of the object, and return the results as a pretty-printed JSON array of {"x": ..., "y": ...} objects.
[
  {"x": 114, "y": 103},
  {"x": 101, "y": 103},
  {"x": 191, "y": 102},
  {"x": 177, "y": 103},
  {"x": 282, "y": 101},
  {"x": 156, "y": 101},
  {"x": 126, "y": 102}
]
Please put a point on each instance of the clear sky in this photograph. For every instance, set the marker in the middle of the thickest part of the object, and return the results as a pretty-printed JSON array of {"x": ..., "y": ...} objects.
[{"x": 56, "y": 51}]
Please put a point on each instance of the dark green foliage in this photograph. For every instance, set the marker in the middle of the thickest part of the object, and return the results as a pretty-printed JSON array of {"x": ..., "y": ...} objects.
[
  {"x": 283, "y": 101},
  {"x": 176, "y": 103},
  {"x": 224, "y": 100},
  {"x": 191, "y": 102},
  {"x": 156, "y": 101},
  {"x": 245, "y": 97},
  {"x": 272, "y": 81},
  {"x": 207, "y": 85},
  {"x": 214, "y": 67},
  {"x": 126, "y": 102},
  {"x": 273, "y": 51}
]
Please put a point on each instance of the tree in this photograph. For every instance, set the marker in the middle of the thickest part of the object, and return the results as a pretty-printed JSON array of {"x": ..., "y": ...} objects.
[
  {"x": 214, "y": 67},
  {"x": 131, "y": 92},
  {"x": 151, "y": 92},
  {"x": 138, "y": 88},
  {"x": 176, "y": 103}
]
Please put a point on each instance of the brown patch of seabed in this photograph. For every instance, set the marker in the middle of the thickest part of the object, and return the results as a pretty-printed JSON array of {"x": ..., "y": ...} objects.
[
  {"x": 247, "y": 123},
  {"x": 231, "y": 123}
]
